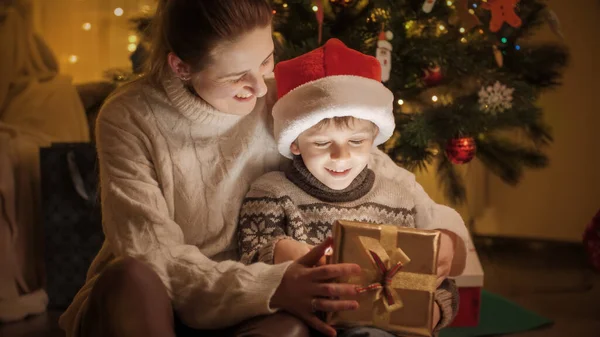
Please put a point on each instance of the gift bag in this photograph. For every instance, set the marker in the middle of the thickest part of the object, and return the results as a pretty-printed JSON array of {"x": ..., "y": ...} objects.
[{"x": 71, "y": 217}]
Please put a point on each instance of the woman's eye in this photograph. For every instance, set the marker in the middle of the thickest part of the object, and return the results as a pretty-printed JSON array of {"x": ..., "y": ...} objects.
[
  {"x": 236, "y": 80},
  {"x": 357, "y": 142},
  {"x": 321, "y": 144}
]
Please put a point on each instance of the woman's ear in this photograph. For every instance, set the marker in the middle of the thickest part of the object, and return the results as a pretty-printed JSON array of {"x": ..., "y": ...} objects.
[
  {"x": 294, "y": 148},
  {"x": 180, "y": 68}
]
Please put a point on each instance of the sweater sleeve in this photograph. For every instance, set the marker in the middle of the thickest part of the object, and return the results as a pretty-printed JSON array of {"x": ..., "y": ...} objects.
[
  {"x": 429, "y": 214},
  {"x": 138, "y": 223},
  {"x": 447, "y": 298},
  {"x": 262, "y": 224}
]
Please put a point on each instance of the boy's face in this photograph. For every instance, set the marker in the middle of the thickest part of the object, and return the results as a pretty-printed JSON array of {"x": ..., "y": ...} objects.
[{"x": 336, "y": 154}]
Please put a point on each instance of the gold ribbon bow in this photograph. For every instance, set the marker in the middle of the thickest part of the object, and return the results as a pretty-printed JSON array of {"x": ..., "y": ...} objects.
[{"x": 387, "y": 274}]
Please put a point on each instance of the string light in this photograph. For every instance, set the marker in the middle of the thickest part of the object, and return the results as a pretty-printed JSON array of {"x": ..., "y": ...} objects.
[
  {"x": 449, "y": 3},
  {"x": 504, "y": 40},
  {"x": 441, "y": 27},
  {"x": 463, "y": 40},
  {"x": 434, "y": 98},
  {"x": 462, "y": 30},
  {"x": 132, "y": 39},
  {"x": 400, "y": 102},
  {"x": 471, "y": 11},
  {"x": 73, "y": 59},
  {"x": 481, "y": 31},
  {"x": 474, "y": 5},
  {"x": 86, "y": 26},
  {"x": 274, "y": 12},
  {"x": 315, "y": 8},
  {"x": 517, "y": 47},
  {"x": 285, "y": 5},
  {"x": 131, "y": 47},
  {"x": 118, "y": 11}
]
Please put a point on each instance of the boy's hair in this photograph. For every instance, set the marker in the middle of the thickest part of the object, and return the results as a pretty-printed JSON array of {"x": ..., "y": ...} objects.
[{"x": 344, "y": 122}]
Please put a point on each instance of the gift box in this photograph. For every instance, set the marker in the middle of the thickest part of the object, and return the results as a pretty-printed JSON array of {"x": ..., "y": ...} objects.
[
  {"x": 398, "y": 279},
  {"x": 469, "y": 284}
]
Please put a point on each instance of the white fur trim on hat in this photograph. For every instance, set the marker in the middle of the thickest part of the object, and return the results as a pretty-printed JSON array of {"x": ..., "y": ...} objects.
[
  {"x": 328, "y": 97},
  {"x": 384, "y": 44}
]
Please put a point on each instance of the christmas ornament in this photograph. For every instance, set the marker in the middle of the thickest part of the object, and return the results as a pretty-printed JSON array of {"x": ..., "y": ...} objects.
[
  {"x": 428, "y": 5},
  {"x": 461, "y": 150},
  {"x": 433, "y": 76},
  {"x": 496, "y": 98},
  {"x": 384, "y": 54},
  {"x": 502, "y": 11},
  {"x": 498, "y": 56},
  {"x": 468, "y": 20},
  {"x": 554, "y": 23}
]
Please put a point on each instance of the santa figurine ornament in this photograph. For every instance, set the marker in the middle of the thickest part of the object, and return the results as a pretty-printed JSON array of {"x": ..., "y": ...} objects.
[{"x": 384, "y": 54}]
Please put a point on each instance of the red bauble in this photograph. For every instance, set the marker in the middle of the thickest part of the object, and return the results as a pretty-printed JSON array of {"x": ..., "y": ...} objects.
[
  {"x": 433, "y": 76},
  {"x": 461, "y": 150}
]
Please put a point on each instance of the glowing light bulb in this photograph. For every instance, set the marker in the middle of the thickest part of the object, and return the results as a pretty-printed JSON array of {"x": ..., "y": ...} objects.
[
  {"x": 132, "y": 39},
  {"x": 86, "y": 26},
  {"x": 474, "y": 5},
  {"x": 73, "y": 59},
  {"x": 463, "y": 40},
  {"x": 400, "y": 102},
  {"x": 462, "y": 30},
  {"x": 118, "y": 11},
  {"x": 131, "y": 47},
  {"x": 285, "y": 5},
  {"x": 274, "y": 12},
  {"x": 441, "y": 27},
  {"x": 471, "y": 11},
  {"x": 434, "y": 98},
  {"x": 315, "y": 8},
  {"x": 504, "y": 40},
  {"x": 449, "y": 3},
  {"x": 517, "y": 47}
]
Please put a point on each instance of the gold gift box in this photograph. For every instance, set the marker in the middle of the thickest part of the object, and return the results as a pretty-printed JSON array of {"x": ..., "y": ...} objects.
[{"x": 398, "y": 279}]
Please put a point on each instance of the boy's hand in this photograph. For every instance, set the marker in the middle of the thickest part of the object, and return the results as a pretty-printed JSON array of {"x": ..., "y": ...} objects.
[
  {"x": 289, "y": 250},
  {"x": 446, "y": 255}
]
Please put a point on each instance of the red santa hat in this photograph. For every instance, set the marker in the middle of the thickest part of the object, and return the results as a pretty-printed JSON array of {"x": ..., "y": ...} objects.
[{"x": 330, "y": 81}]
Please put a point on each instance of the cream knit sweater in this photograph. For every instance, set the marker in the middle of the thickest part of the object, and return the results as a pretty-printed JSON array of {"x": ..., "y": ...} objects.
[{"x": 173, "y": 174}]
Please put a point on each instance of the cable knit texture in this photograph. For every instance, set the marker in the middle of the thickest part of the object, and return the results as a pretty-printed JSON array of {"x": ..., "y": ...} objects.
[{"x": 173, "y": 175}]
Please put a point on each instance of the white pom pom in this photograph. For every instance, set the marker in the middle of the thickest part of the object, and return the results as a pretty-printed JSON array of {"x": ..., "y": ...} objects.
[{"x": 389, "y": 35}]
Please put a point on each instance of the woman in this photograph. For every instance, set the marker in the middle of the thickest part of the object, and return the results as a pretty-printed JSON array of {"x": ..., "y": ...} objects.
[{"x": 178, "y": 150}]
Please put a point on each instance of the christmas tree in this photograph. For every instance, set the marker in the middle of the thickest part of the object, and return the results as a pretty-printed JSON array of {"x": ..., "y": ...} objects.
[{"x": 465, "y": 79}]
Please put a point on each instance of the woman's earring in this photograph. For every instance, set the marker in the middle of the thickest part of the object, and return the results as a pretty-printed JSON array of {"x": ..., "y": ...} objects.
[{"x": 185, "y": 78}]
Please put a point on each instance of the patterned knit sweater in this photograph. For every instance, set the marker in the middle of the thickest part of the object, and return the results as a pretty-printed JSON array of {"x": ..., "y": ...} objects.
[{"x": 294, "y": 205}]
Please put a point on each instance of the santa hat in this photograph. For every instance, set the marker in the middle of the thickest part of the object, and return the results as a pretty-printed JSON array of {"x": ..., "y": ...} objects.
[{"x": 330, "y": 81}]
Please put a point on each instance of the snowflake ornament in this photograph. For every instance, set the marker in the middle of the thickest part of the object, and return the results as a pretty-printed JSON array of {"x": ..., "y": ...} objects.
[{"x": 496, "y": 98}]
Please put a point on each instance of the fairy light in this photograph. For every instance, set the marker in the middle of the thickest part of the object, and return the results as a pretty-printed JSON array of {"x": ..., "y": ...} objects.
[
  {"x": 449, "y": 3},
  {"x": 131, "y": 47},
  {"x": 471, "y": 11},
  {"x": 73, "y": 59},
  {"x": 474, "y": 5},
  {"x": 462, "y": 30},
  {"x": 434, "y": 98},
  {"x": 463, "y": 40},
  {"x": 315, "y": 8},
  {"x": 285, "y": 5},
  {"x": 504, "y": 40},
  {"x": 400, "y": 102},
  {"x": 118, "y": 11},
  {"x": 274, "y": 12},
  {"x": 86, "y": 26},
  {"x": 132, "y": 39},
  {"x": 441, "y": 27},
  {"x": 481, "y": 31},
  {"x": 517, "y": 47}
]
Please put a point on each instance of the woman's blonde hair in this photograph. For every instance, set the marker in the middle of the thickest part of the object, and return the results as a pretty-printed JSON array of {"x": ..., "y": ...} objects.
[{"x": 192, "y": 28}]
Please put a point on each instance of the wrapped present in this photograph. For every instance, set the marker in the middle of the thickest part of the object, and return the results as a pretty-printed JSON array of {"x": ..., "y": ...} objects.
[
  {"x": 398, "y": 279},
  {"x": 469, "y": 284}
]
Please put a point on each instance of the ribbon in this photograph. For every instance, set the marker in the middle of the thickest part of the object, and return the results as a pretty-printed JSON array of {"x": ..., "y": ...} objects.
[{"x": 388, "y": 261}]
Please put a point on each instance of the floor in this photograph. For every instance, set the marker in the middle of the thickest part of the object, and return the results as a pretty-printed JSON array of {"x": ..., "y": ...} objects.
[{"x": 550, "y": 278}]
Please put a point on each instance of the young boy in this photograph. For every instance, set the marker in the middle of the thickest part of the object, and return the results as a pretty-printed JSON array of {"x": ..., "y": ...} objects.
[{"x": 331, "y": 114}]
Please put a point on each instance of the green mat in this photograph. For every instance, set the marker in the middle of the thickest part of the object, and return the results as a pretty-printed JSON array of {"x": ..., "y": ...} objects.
[{"x": 499, "y": 316}]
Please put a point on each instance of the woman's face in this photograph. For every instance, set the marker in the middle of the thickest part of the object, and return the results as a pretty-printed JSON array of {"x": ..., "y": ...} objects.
[{"x": 235, "y": 77}]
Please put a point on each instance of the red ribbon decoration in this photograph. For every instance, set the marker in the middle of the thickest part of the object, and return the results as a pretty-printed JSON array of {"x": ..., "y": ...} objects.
[{"x": 387, "y": 277}]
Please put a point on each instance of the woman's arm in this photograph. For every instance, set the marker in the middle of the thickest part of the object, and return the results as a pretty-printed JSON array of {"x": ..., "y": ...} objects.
[{"x": 138, "y": 223}]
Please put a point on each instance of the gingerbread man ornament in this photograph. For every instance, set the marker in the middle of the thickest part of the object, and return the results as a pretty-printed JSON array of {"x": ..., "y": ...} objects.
[{"x": 502, "y": 11}]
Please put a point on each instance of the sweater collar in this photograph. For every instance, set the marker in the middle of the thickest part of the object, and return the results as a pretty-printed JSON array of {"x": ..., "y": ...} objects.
[
  {"x": 299, "y": 174},
  {"x": 189, "y": 104}
]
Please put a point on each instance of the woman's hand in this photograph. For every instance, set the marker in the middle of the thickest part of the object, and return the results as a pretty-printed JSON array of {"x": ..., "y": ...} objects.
[
  {"x": 289, "y": 250},
  {"x": 305, "y": 289}
]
